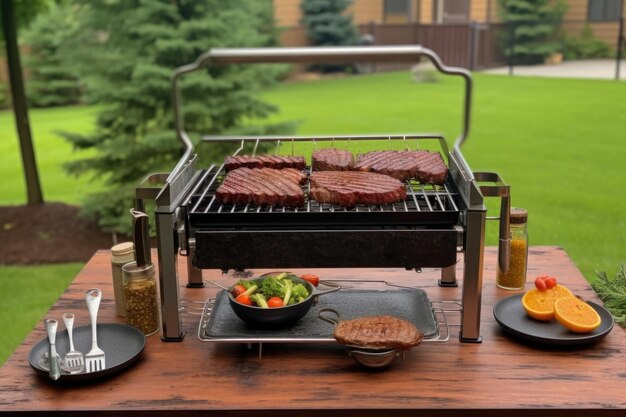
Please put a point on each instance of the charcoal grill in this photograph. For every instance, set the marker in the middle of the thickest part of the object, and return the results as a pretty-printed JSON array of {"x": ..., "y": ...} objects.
[{"x": 426, "y": 230}]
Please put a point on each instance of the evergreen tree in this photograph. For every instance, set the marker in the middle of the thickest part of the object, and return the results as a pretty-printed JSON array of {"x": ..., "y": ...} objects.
[
  {"x": 327, "y": 24},
  {"x": 132, "y": 48},
  {"x": 52, "y": 80},
  {"x": 532, "y": 29}
]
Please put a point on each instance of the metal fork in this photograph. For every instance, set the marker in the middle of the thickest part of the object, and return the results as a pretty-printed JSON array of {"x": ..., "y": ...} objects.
[
  {"x": 74, "y": 360},
  {"x": 94, "y": 360}
]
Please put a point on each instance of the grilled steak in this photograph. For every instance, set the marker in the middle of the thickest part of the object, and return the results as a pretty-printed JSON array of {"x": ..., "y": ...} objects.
[
  {"x": 332, "y": 159},
  {"x": 263, "y": 161},
  {"x": 427, "y": 167},
  {"x": 431, "y": 169},
  {"x": 349, "y": 188},
  {"x": 261, "y": 186},
  {"x": 378, "y": 332}
]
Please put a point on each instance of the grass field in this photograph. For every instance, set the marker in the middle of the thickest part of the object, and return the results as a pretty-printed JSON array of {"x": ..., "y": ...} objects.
[
  {"x": 558, "y": 143},
  {"x": 51, "y": 151}
]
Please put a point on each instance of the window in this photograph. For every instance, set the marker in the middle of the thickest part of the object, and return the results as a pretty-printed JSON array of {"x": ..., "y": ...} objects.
[
  {"x": 397, "y": 11},
  {"x": 604, "y": 10}
]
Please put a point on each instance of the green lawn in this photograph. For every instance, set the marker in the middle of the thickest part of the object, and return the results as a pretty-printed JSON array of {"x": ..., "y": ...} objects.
[
  {"x": 559, "y": 143},
  {"x": 51, "y": 151},
  {"x": 26, "y": 294}
]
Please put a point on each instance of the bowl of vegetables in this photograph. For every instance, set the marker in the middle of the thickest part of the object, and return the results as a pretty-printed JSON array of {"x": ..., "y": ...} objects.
[{"x": 277, "y": 299}]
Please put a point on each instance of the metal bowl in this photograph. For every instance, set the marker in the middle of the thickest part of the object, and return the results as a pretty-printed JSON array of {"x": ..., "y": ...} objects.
[
  {"x": 280, "y": 316},
  {"x": 373, "y": 358}
]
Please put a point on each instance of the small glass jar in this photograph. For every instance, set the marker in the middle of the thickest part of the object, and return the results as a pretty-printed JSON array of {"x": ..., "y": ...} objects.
[
  {"x": 121, "y": 254},
  {"x": 141, "y": 297},
  {"x": 515, "y": 278}
]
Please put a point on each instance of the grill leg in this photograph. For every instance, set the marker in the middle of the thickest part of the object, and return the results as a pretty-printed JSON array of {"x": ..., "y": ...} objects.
[
  {"x": 473, "y": 277},
  {"x": 168, "y": 278},
  {"x": 448, "y": 276}
]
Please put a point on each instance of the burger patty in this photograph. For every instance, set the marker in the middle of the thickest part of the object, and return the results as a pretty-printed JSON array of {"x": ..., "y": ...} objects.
[{"x": 378, "y": 332}]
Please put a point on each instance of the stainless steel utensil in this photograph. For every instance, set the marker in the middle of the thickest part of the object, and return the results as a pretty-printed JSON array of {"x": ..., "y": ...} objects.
[
  {"x": 74, "y": 360},
  {"x": 94, "y": 360},
  {"x": 55, "y": 368}
]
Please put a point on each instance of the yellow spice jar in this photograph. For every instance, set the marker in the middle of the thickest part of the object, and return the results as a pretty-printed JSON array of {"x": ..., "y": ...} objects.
[{"x": 515, "y": 277}]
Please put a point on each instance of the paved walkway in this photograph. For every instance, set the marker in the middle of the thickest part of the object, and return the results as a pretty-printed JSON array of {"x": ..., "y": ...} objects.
[{"x": 593, "y": 68}]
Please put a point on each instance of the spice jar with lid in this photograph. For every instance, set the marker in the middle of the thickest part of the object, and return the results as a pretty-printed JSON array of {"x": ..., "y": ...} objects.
[
  {"x": 515, "y": 277},
  {"x": 140, "y": 287},
  {"x": 121, "y": 254},
  {"x": 141, "y": 297}
]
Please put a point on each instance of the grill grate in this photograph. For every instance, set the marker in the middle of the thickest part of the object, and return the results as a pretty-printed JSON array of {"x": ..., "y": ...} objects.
[{"x": 424, "y": 202}]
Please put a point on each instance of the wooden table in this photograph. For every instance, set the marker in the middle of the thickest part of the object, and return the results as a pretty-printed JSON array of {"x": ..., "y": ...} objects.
[{"x": 500, "y": 377}]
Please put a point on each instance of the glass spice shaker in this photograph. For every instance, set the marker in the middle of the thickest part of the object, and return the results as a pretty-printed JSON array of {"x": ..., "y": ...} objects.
[
  {"x": 515, "y": 277},
  {"x": 140, "y": 287},
  {"x": 141, "y": 298},
  {"x": 121, "y": 254}
]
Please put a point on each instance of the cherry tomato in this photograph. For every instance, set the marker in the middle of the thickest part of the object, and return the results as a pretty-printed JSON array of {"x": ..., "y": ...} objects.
[
  {"x": 238, "y": 290},
  {"x": 275, "y": 302},
  {"x": 313, "y": 279},
  {"x": 540, "y": 283},
  {"x": 244, "y": 299},
  {"x": 550, "y": 282}
]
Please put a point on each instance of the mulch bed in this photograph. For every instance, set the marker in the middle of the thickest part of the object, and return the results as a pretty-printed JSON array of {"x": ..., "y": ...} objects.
[{"x": 48, "y": 233}]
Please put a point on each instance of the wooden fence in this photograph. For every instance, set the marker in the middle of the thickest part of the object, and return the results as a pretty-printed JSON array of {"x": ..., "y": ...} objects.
[{"x": 473, "y": 45}]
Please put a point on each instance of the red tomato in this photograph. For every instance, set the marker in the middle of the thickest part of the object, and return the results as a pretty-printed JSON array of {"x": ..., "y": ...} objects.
[
  {"x": 540, "y": 283},
  {"x": 313, "y": 279},
  {"x": 244, "y": 299},
  {"x": 550, "y": 282},
  {"x": 275, "y": 302},
  {"x": 238, "y": 290}
]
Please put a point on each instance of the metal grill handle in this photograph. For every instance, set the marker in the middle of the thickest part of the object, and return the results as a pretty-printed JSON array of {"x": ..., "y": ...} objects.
[
  {"x": 402, "y": 53},
  {"x": 503, "y": 191}
]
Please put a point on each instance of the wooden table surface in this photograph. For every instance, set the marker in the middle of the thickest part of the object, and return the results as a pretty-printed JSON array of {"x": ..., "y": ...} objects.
[{"x": 499, "y": 377}]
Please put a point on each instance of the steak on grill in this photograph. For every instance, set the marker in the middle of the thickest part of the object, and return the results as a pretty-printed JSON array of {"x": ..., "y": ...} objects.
[
  {"x": 264, "y": 161},
  {"x": 378, "y": 332},
  {"x": 261, "y": 186},
  {"x": 425, "y": 166},
  {"x": 332, "y": 159},
  {"x": 431, "y": 169},
  {"x": 349, "y": 188}
]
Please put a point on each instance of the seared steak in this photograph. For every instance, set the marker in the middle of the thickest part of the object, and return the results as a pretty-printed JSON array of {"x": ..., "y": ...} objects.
[
  {"x": 425, "y": 166},
  {"x": 263, "y": 161},
  {"x": 431, "y": 169},
  {"x": 349, "y": 188},
  {"x": 332, "y": 159},
  {"x": 378, "y": 332},
  {"x": 261, "y": 186}
]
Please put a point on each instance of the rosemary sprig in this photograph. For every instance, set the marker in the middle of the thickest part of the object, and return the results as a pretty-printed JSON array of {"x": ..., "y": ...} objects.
[{"x": 612, "y": 291}]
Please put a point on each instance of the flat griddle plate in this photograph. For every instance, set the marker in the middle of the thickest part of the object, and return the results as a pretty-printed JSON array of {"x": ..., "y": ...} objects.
[{"x": 222, "y": 325}]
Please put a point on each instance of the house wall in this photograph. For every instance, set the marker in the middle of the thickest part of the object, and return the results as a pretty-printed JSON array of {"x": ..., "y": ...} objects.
[{"x": 576, "y": 17}]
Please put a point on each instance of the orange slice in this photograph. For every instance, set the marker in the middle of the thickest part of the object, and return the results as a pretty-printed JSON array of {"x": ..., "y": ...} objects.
[
  {"x": 576, "y": 315},
  {"x": 540, "y": 304}
]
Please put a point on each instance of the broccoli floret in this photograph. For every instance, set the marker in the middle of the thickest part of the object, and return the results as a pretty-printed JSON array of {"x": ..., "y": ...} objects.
[
  {"x": 274, "y": 287},
  {"x": 260, "y": 300},
  {"x": 298, "y": 294}
]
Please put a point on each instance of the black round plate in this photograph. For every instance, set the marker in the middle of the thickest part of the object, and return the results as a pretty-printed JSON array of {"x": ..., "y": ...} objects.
[
  {"x": 510, "y": 314},
  {"x": 121, "y": 343}
]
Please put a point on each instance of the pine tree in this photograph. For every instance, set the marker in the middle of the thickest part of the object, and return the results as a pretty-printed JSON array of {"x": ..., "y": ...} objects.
[
  {"x": 132, "y": 48},
  {"x": 532, "y": 28},
  {"x": 327, "y": 24},
  {"x": 52, "y": 80}
]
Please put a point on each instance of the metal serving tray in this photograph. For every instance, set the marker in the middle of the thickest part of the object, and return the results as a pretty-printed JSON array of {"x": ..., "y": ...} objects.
[{"x": 219, "y": 323}]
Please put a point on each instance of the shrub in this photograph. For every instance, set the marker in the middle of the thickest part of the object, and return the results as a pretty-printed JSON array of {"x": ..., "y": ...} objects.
[{"x": 585, "y": 46}]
